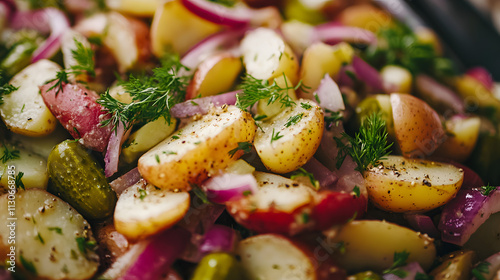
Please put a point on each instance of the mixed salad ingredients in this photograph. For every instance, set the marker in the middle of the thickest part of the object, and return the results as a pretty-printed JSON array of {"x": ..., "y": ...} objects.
[{"x": 255, "y": 139}]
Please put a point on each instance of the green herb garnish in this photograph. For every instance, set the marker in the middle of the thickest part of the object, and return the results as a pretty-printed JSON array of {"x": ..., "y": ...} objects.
[
  {"x": 200, "y": 194},
  {"x": 294, "y": 120},
  {"x": 142, "y": 194},
  {"x": 9, "y": 154},
  {"x": 5, "y": 90},
  {"x": 301, "y": 172},
  {"x": 486, "y": 190},
  {"x": 84, "y": 245},
  {"x": 480, "y": 270},
  {"x": 19, "y": 182},
  {"x": 275, "y": 136},
  {"x": 246, "y": 147},
  {"x": 57, "y": 230},
  {"x": 368, "y": 146},
  {"x": 399, "y": 260},
  {"x": 255, "y": 90},
  {"x": 356, "y": 191}
]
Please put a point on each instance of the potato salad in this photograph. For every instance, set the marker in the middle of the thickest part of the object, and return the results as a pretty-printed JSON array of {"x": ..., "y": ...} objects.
[{"x": 241, "y": 139}]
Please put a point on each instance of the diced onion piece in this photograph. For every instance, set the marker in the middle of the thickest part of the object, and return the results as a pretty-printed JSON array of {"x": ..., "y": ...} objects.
[
  {"x": 237, "y": 16},
  {"x": 439, "y": 94},
  {"x": 218, "y": 238},
  {"x": 202, "y": 105},
  {"x": 366, "y": 73},
  {"x": 333, "y": 33},
  {"x": 329, "y": 95},
  {"x": 230, "y": 186},
  {"x": 423, "y": 224}
]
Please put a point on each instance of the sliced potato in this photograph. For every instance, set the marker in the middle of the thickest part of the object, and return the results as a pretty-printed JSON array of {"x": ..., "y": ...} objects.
[
  {"x": 462, "y": 137},
  {"x": 146, "y": 138},
  {"x": 365, "y": 16},
  {"x": 396, "y": 79},
  {"x": 214, "y": 75},
  {"x": 143, "y": 210},
  {"x": 320, "y": 59},
  {"x": 198, "y": 150},
  {"x": 32, "y": 165},
  {"x": 271, "y": 110},
  {"x": 370, "y": 245},
  {"x": 144, "y": 8},
  {"x": 266, "y": 55},
  {"x": 456, "y": 265},
  {"x": 419, "y": 131},
  {"x": 410, "y": 185},
  {"x": 68, "y": 46},
  {"x": 41, "y": 146},
  {"x": 179, "y": 20},
  {"x": 271, "y": 256},
  {"x": 290, "y": 139},
  {"x": 51, "y": 236},
  {"x": 23, "y": 110}
]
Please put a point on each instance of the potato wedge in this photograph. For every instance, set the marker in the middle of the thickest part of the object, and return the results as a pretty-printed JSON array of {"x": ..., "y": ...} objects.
[
  {"x": 198, "y": 150},
  {"x": 23, "y": 110},
  {"x": 175, "y": 38},
  {"x": 456, "y": 265},
  {"x": 410, "y": 185},
  {"x": 462, "y": 137},
  {"x": 271, "y": 110},
  {"x": 143, "y": 210},
  {"x": 266, "y": 55},
  {"x": 272, "y": 256},
  {"x": 290, "y": 139},
  {"x": 396, "y": 79},
  {"x": 366, "y": 16},
  {"x": 320, "y": 59},
  {"x": 214, "y": 75},
  {"x": 370, "y": 245},
  {"x": 419, "y": 131},
  {"x": 51, "y": 236},
  {"x": 143, "y": 8},
  {"x": 32, "y": 165}
]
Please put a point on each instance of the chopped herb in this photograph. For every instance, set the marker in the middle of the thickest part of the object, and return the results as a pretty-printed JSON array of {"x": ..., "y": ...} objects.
[
  {"x": 194, "y": 103},
  {"x": 77, "y": 132},
  {"x": 259, "y": 117},
  {"x": 227, "y": 3},
  {"x": 332, "y": 118},
  {"x": 276, "y": 136},
  {"x": 58, "y": 230},
  {"x": 255, "y": 89},
  {"x": 200, "y": 194},
  {"x": 246, "y": 147},
  {"x": 169, "y": 153},
  {"x": 480, "y": 270},
  {"x": 305, "y": 105},
  {"x": 22, "y": 109},
  {"x": 305, "y": 218},
  {"x": 157, "y": 157},
  {"x": 399, "y": 260},
  {"x": 175, "y": 137},
  {"x": 39, "y": 237},
  {"x": 9, "y": 154},
  {"x": 294, "y": 120},
  {"x": 316, "y": 96},
  {"x": 142, "y": 194},
  {"x": 29, "y": 266},
  {"x": 301, "y": 172},
  {"x": 19, "y": 182},
  {"x": 247, "y": 193},
  {"x": 368, "y": 146},
  {"x": 197, "y": 142},
  {"x": 152, "y": 96},
  {"x": 84, "y": 245},
  {"x": 5, "y": 89},
  {"x": 486, "y": 190},
  {"x": 353, "y": 217},
  {"x": 356, "y": 191}
]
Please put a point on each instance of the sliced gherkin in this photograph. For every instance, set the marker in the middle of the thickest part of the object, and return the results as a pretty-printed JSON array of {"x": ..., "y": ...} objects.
[{"x": 218, "y": 266}]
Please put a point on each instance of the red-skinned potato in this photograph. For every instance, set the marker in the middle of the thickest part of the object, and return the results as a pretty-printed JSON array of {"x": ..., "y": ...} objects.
[
  {"x": 214, "y": 75},
  {"x": 77, "y": 110},
  {"x": 419, "y": 131},
  {"x": 272, "y": 256},
  {"x": 288, "y": 207}
]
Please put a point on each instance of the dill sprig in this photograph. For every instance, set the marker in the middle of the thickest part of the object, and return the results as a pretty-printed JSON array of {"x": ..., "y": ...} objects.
[
  {"x": 255, "y": 89},
  {"x": 368, "y": 146},
  {"x": 84, "y": 58},
  {"x": 152, "y": 96},
  {"x": 5, "y": 87},
  {"x": 9, "y": 154},
  {"x": 400, "y": 259}
]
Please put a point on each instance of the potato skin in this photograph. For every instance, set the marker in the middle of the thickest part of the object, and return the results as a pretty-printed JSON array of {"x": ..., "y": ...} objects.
[
  {"x": 198, "y": 150},
  {"x": 405, "y": 185},
  {"x": 299, "y": 142}
]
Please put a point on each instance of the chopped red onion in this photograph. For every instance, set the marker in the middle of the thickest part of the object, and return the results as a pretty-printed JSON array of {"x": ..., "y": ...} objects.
[
  {"x": 471, "y": 178},
  {"x": 237, "y": 16},
  {"x": 423, "y": 224},
  {"x": 325, "y": 177},
  {"x": 113, "y": 151},
  {"x": 431, "y": 89},
  {"x": 481, "y": 75},
  {"x": 158, "y": 255},
  {"x": 463, "y": 215},
  {"x": 9, "y": 8},
  {"x": 128, "y": 179},
  {"x": 202, "y": 105},
  {"x": 229, "y": 187},
  {"x": 329, "y": 95},
  {"x": 366, "y": 73},
  {"x": 223, "y": 40},
  {"x": 411, "y": 270},
  {"x": 333, "y": 33},
  {"x": 343, "y": 78},
  {"x": 218, "y": 238}
]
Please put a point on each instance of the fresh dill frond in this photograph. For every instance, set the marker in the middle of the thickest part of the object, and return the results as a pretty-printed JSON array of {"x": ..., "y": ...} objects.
[
  {"x": 301, "y": 172},
  {"x": 19, "y": 181},
  {"x": 486, "y": 190},
  {"x": 294, "y": 120},
  {"x": 368, "y": 146},
  {"x": 275, "y": 136},
  {"x": 481, "y": 270},
  {"x": 5, "y": 90},
  {"x": 9, "y": 154},
  {"x": 84, "y": 58},
  {"x": 255, "y": 89},
  {"x": 332, "y": 118},
  {"x": 246, "y": 147},
  {"x": 152, "y": 96},
  {"x": 399, "y": 260}
]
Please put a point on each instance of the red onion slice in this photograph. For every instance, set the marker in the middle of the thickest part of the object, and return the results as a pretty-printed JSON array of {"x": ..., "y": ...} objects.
[
  {"x": 333, "y": 33},
  {"x": 237, "y": 16},
  {"x": 411, "y": 270},
  {"x": 128, "y": 179},
  {"x": 430, "y": 89},
  {"x": 9, "y": 8},
  {"x": 223, "y": 40},
  {"x": 423, "y": 224},
  {"x": 202, "y": 105},
  {"x": 228, "y": 187},
  {"x": 113, "y": 151},
  {"x": 325, "y": 177},
  {"x": 43, "y": 20},
  {"x": 218, "y": 238},
  {"x": 463, "y": 215},
  {"x": 366, "y": 73},
  {"x": 329, "y": 95},
  {"x": 481, "y": 75}
]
